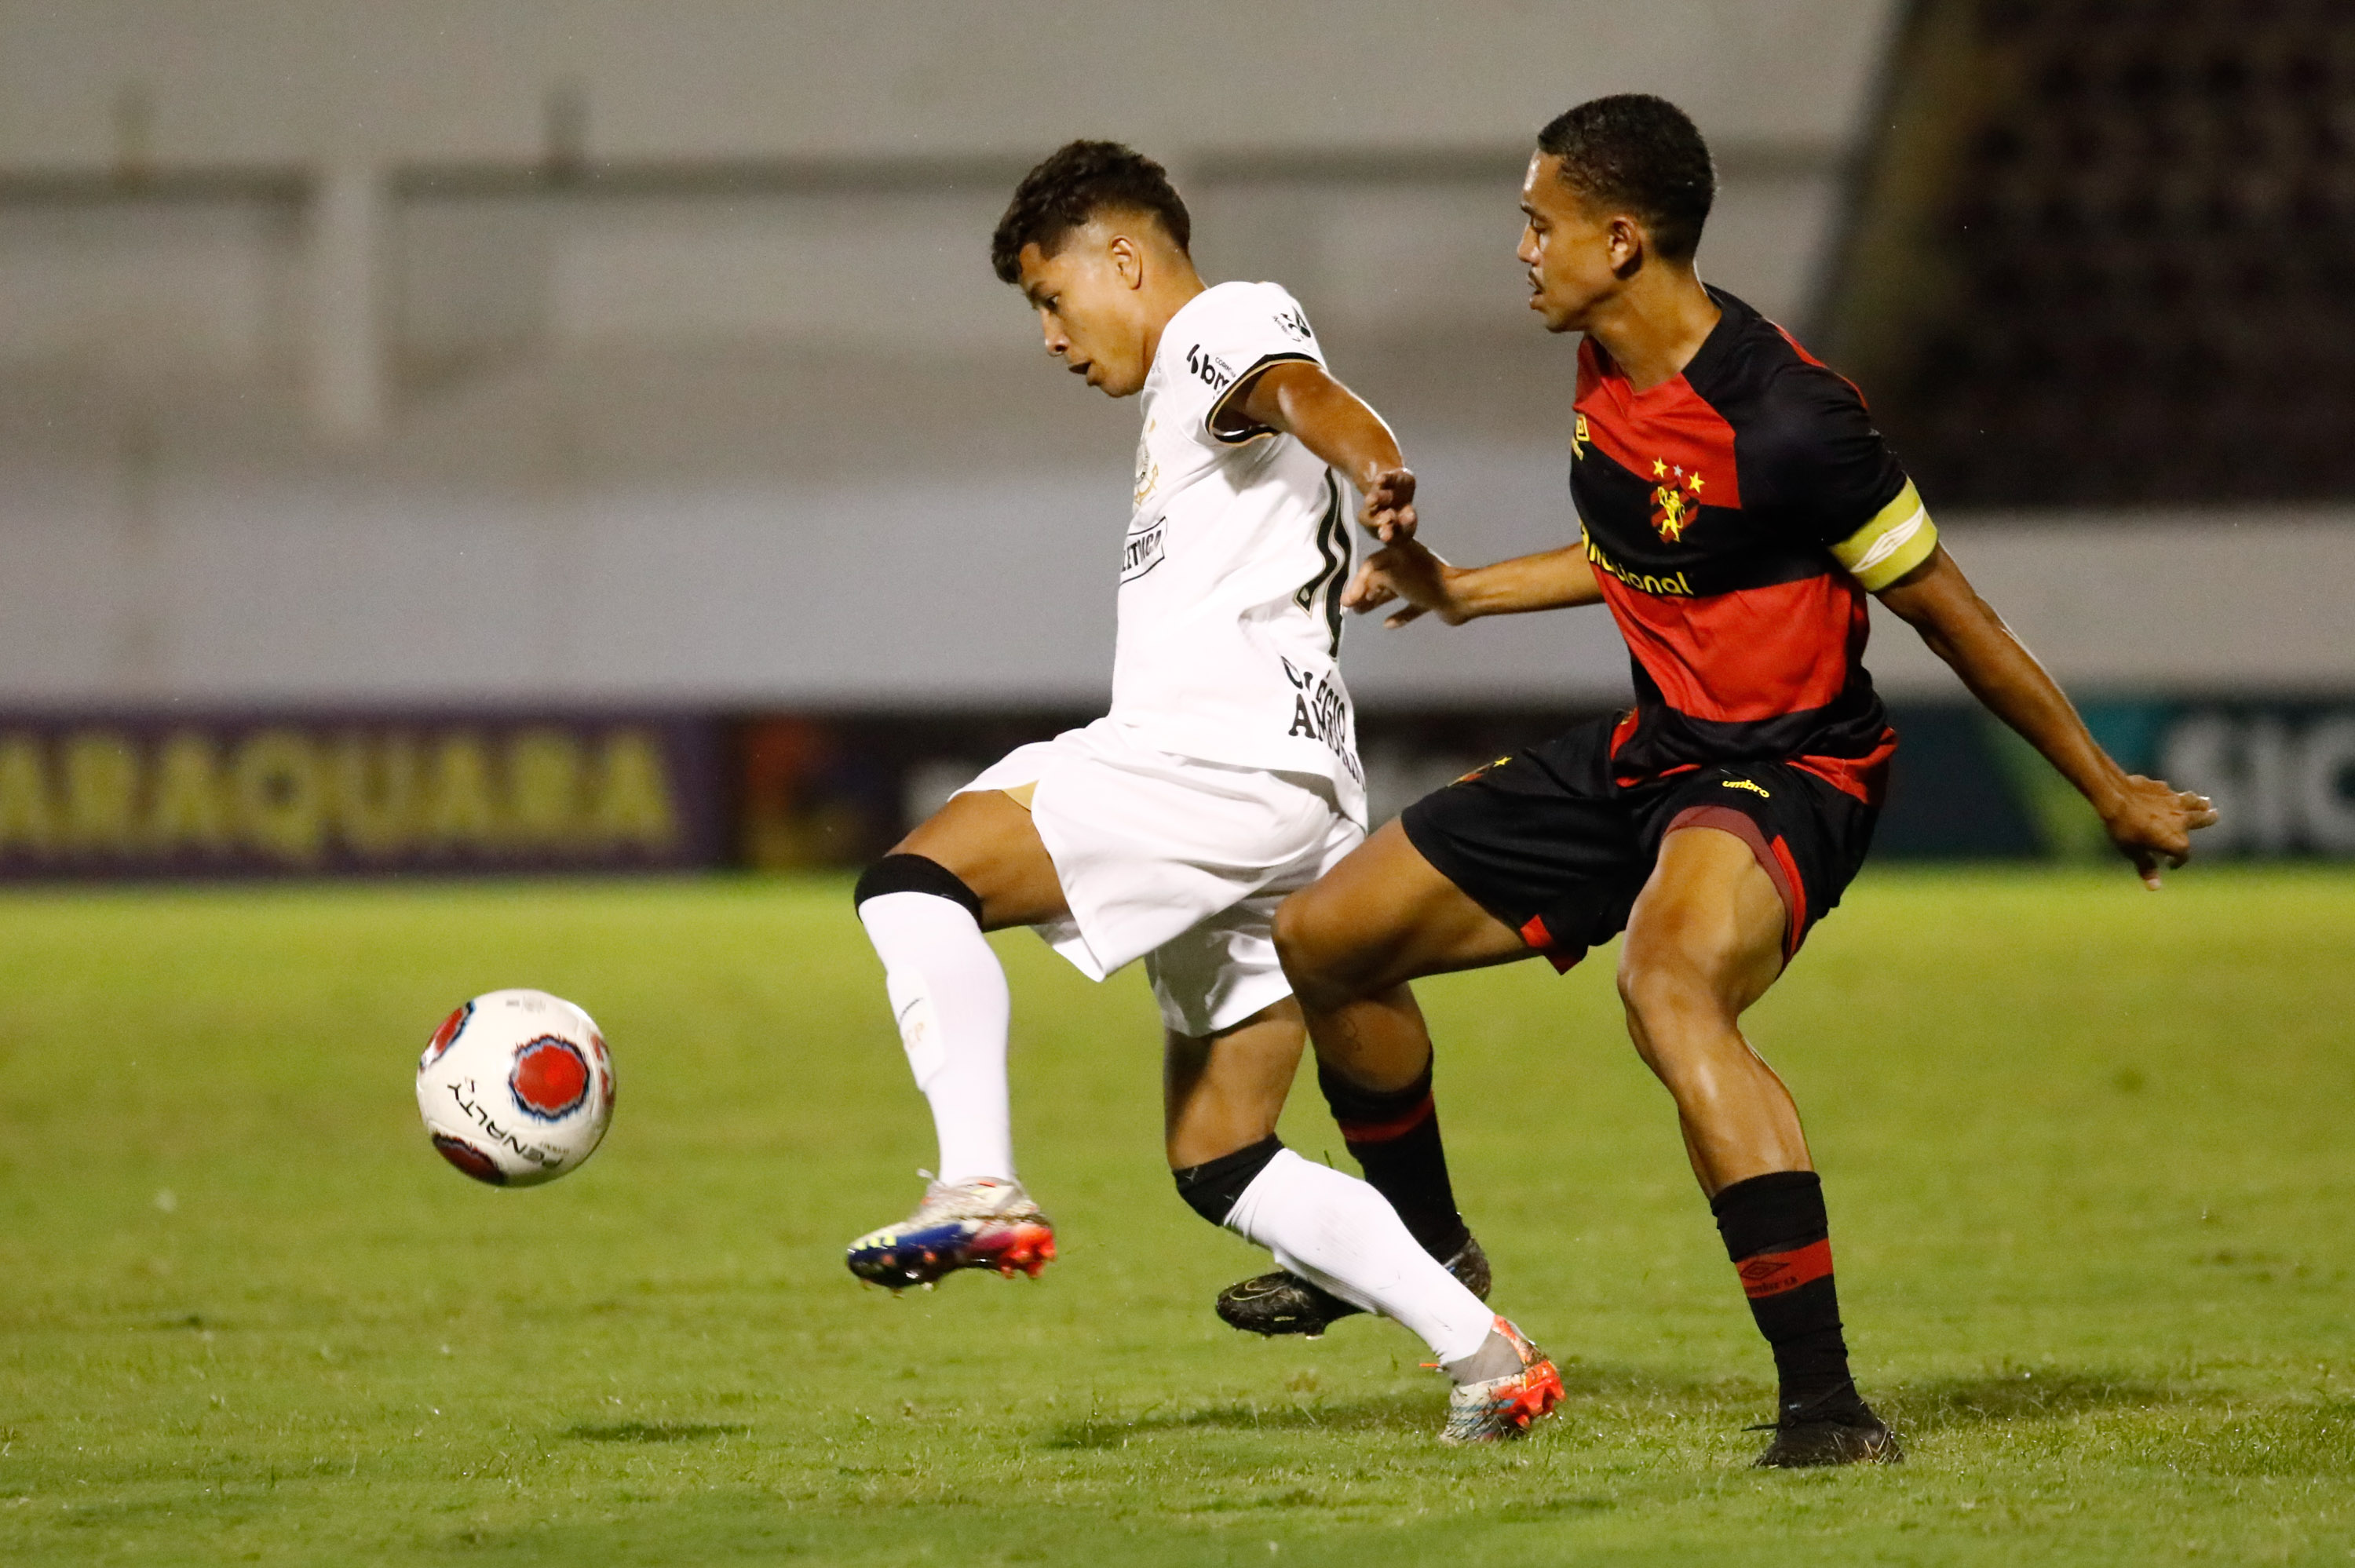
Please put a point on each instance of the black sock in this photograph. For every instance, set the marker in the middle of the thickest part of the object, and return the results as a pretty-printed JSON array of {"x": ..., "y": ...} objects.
[
  {"x": 1778, "y": 1235},
  {"x": 1393, "y": 1135}
]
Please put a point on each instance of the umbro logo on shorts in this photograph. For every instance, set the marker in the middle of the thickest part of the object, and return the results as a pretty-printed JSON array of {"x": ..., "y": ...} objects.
[{"x": 1744, "y": 784}]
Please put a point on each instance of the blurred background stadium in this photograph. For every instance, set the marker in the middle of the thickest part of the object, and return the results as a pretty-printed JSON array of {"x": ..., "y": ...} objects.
[{"x": 485, "y": 437}]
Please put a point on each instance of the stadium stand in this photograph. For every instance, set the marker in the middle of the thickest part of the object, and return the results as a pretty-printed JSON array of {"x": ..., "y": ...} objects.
[{"x": 2106, "y": 253}]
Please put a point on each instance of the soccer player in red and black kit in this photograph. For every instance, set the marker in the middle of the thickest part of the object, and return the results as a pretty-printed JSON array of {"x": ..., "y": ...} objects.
[{"x": 1737, "y": 506}]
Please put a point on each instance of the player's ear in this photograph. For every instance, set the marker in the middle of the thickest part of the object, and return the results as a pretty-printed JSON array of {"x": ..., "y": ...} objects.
[
  {"x": 1127, "y": 259},
  {"x": 1628, "y": 242}
]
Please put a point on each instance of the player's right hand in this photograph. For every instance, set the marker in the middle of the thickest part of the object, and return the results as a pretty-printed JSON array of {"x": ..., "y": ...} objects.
[
  {"x": 1407, "y": 571},
  {"x": 2152, "y": 824},
  {"x": 1388, "y": 511}
]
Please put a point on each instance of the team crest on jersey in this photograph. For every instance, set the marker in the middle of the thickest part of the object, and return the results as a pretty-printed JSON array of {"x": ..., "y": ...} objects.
[
  {"x": 1148, "y": 472},
  {"x": 1674, "y": 499},
  {"x": 550, "y": 1078}
]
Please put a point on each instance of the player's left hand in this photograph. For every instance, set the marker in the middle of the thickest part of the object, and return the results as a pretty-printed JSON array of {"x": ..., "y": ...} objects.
[
  {"x": 1407, "y": 571},
  {"x": 2152, "y": 824},
  {"x": 1388, "y": 510}
]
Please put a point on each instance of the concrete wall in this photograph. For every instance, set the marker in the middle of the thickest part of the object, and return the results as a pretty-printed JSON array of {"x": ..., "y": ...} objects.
[
  {"x": 221, "y": 188},
  {"x": 296, "y": 81}
]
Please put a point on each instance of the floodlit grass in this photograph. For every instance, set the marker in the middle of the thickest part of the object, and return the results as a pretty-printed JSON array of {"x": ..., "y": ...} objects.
[{"x": 2086, "y": 1149}]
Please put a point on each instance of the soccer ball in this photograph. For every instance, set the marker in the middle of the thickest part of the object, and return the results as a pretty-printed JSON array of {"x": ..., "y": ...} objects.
[{"x": 516, "y": 1087}]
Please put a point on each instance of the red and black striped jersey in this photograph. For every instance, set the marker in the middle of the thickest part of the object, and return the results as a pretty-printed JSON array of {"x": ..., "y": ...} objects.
[{"x": 1736, "y": 515}]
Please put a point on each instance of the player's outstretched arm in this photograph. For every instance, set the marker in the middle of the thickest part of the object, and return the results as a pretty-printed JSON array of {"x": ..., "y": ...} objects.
[
  {"x": 1303, "y": 400},
  {"x": 1410, "y": 572},
  {"x": 2149, "y": 821}
]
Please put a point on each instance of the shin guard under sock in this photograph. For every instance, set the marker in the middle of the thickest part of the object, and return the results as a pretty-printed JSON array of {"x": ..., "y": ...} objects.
[
  {"x": 1778, "y": 1235},
  {"x": 1393, "y": 1135},
  {"x": 949, "y": 995}
]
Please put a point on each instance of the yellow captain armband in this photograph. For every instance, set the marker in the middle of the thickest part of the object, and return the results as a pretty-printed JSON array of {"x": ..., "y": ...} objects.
[{"x": 1899, "y": 538}]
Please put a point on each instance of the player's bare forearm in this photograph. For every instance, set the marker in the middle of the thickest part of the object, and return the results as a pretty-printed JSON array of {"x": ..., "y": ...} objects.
[
  {"x": 2151, "y": 822},
  {"x": 1552, "y": 579},
  {"x": 1410, "y": 571},
  {"x": 1303, "y": 401}
]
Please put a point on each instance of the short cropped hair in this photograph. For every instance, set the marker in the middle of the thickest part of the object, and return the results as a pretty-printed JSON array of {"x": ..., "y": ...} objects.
[
  {"x": 1077, "y": 180},
  {"x": 1643, "y": 156}
]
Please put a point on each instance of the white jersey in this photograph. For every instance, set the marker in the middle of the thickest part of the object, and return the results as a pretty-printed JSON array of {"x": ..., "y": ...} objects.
[{"x": 1230, "y": 623}]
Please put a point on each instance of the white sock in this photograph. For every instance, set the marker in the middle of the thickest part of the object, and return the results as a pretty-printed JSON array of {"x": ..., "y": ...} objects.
[
  {"x": 1337, "y": 1232},
  {"x": 948, "y": 991}
]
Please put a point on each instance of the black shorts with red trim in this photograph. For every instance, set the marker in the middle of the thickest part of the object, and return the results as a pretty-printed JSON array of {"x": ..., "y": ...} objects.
[{"x": 1545, "y": 841}]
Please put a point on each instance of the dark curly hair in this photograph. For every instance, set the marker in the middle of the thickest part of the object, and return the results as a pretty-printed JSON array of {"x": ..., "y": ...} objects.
[
  {"x": 1077, "y": 180},
  {"x": 1640, "y": 155}
]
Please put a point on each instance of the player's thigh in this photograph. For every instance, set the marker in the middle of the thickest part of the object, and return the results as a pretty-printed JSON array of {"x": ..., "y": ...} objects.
[
  {"x": 1383, "y": 916},
  {"x": 1223, "y": 1091},
  {"x": 1706, "y": 935},
  {"x": 988, "y": 840}
]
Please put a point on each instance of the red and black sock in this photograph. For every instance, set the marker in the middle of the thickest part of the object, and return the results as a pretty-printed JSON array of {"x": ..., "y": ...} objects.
[
  {"x": 1778, "y": 1235},
  {"x": 1393, "y": 1135}
]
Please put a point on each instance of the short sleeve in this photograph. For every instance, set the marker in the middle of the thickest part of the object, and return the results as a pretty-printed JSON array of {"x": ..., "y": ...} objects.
[
  {"x": 1824, "y": 472},
  {"x": 1230, "y": 335}
]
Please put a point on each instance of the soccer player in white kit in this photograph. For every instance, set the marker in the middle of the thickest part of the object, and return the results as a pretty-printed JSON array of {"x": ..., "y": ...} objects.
[{"x": 1224, "y": 776}]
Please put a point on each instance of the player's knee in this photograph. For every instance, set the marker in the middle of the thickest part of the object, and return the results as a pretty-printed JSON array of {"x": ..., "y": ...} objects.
[
  {"x": 1312, "y": 960},
  {"x": 1662, "y": 991}
]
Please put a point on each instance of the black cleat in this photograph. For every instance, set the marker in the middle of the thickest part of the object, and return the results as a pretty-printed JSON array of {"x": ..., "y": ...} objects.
[
  {"x": 1849, "y": 1434},
  {"x": 1282, "y": 1303}
]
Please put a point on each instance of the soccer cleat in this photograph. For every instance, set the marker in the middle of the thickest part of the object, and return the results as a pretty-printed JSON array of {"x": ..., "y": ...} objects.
[
  {"x": 1849, "y": 1434},
  {"x": 985, "y": 1224},
  {"x": 1496, "y": 1408},
  {"x": 1284, "y": 1303}
]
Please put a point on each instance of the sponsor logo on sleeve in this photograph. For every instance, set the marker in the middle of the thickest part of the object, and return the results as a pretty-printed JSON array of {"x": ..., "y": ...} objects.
[
  {"x": 1209, "y": 368},
  {"x": 1294, "y": 325}
]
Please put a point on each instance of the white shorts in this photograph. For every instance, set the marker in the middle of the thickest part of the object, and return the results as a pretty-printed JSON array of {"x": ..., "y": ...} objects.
[{"x": 1177, "y": 861}]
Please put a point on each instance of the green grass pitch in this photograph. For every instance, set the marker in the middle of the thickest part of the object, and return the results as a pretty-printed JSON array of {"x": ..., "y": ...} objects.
[{"x": 2088, "y": 1162}]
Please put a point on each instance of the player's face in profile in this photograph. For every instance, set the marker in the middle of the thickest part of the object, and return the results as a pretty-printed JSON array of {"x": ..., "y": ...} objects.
[
  {"x": 1089, "y": 313},
  {"x": 1575, "y": 253}
]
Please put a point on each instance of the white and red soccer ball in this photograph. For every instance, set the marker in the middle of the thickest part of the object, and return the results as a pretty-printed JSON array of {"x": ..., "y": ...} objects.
[{"x": 516, "y": 1087}]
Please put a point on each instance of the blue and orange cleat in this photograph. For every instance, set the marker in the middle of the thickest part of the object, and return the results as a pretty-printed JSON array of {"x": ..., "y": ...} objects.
[
  {"x": 1501, "y": 1407},
  {"x": 985, "y": 1223}
]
